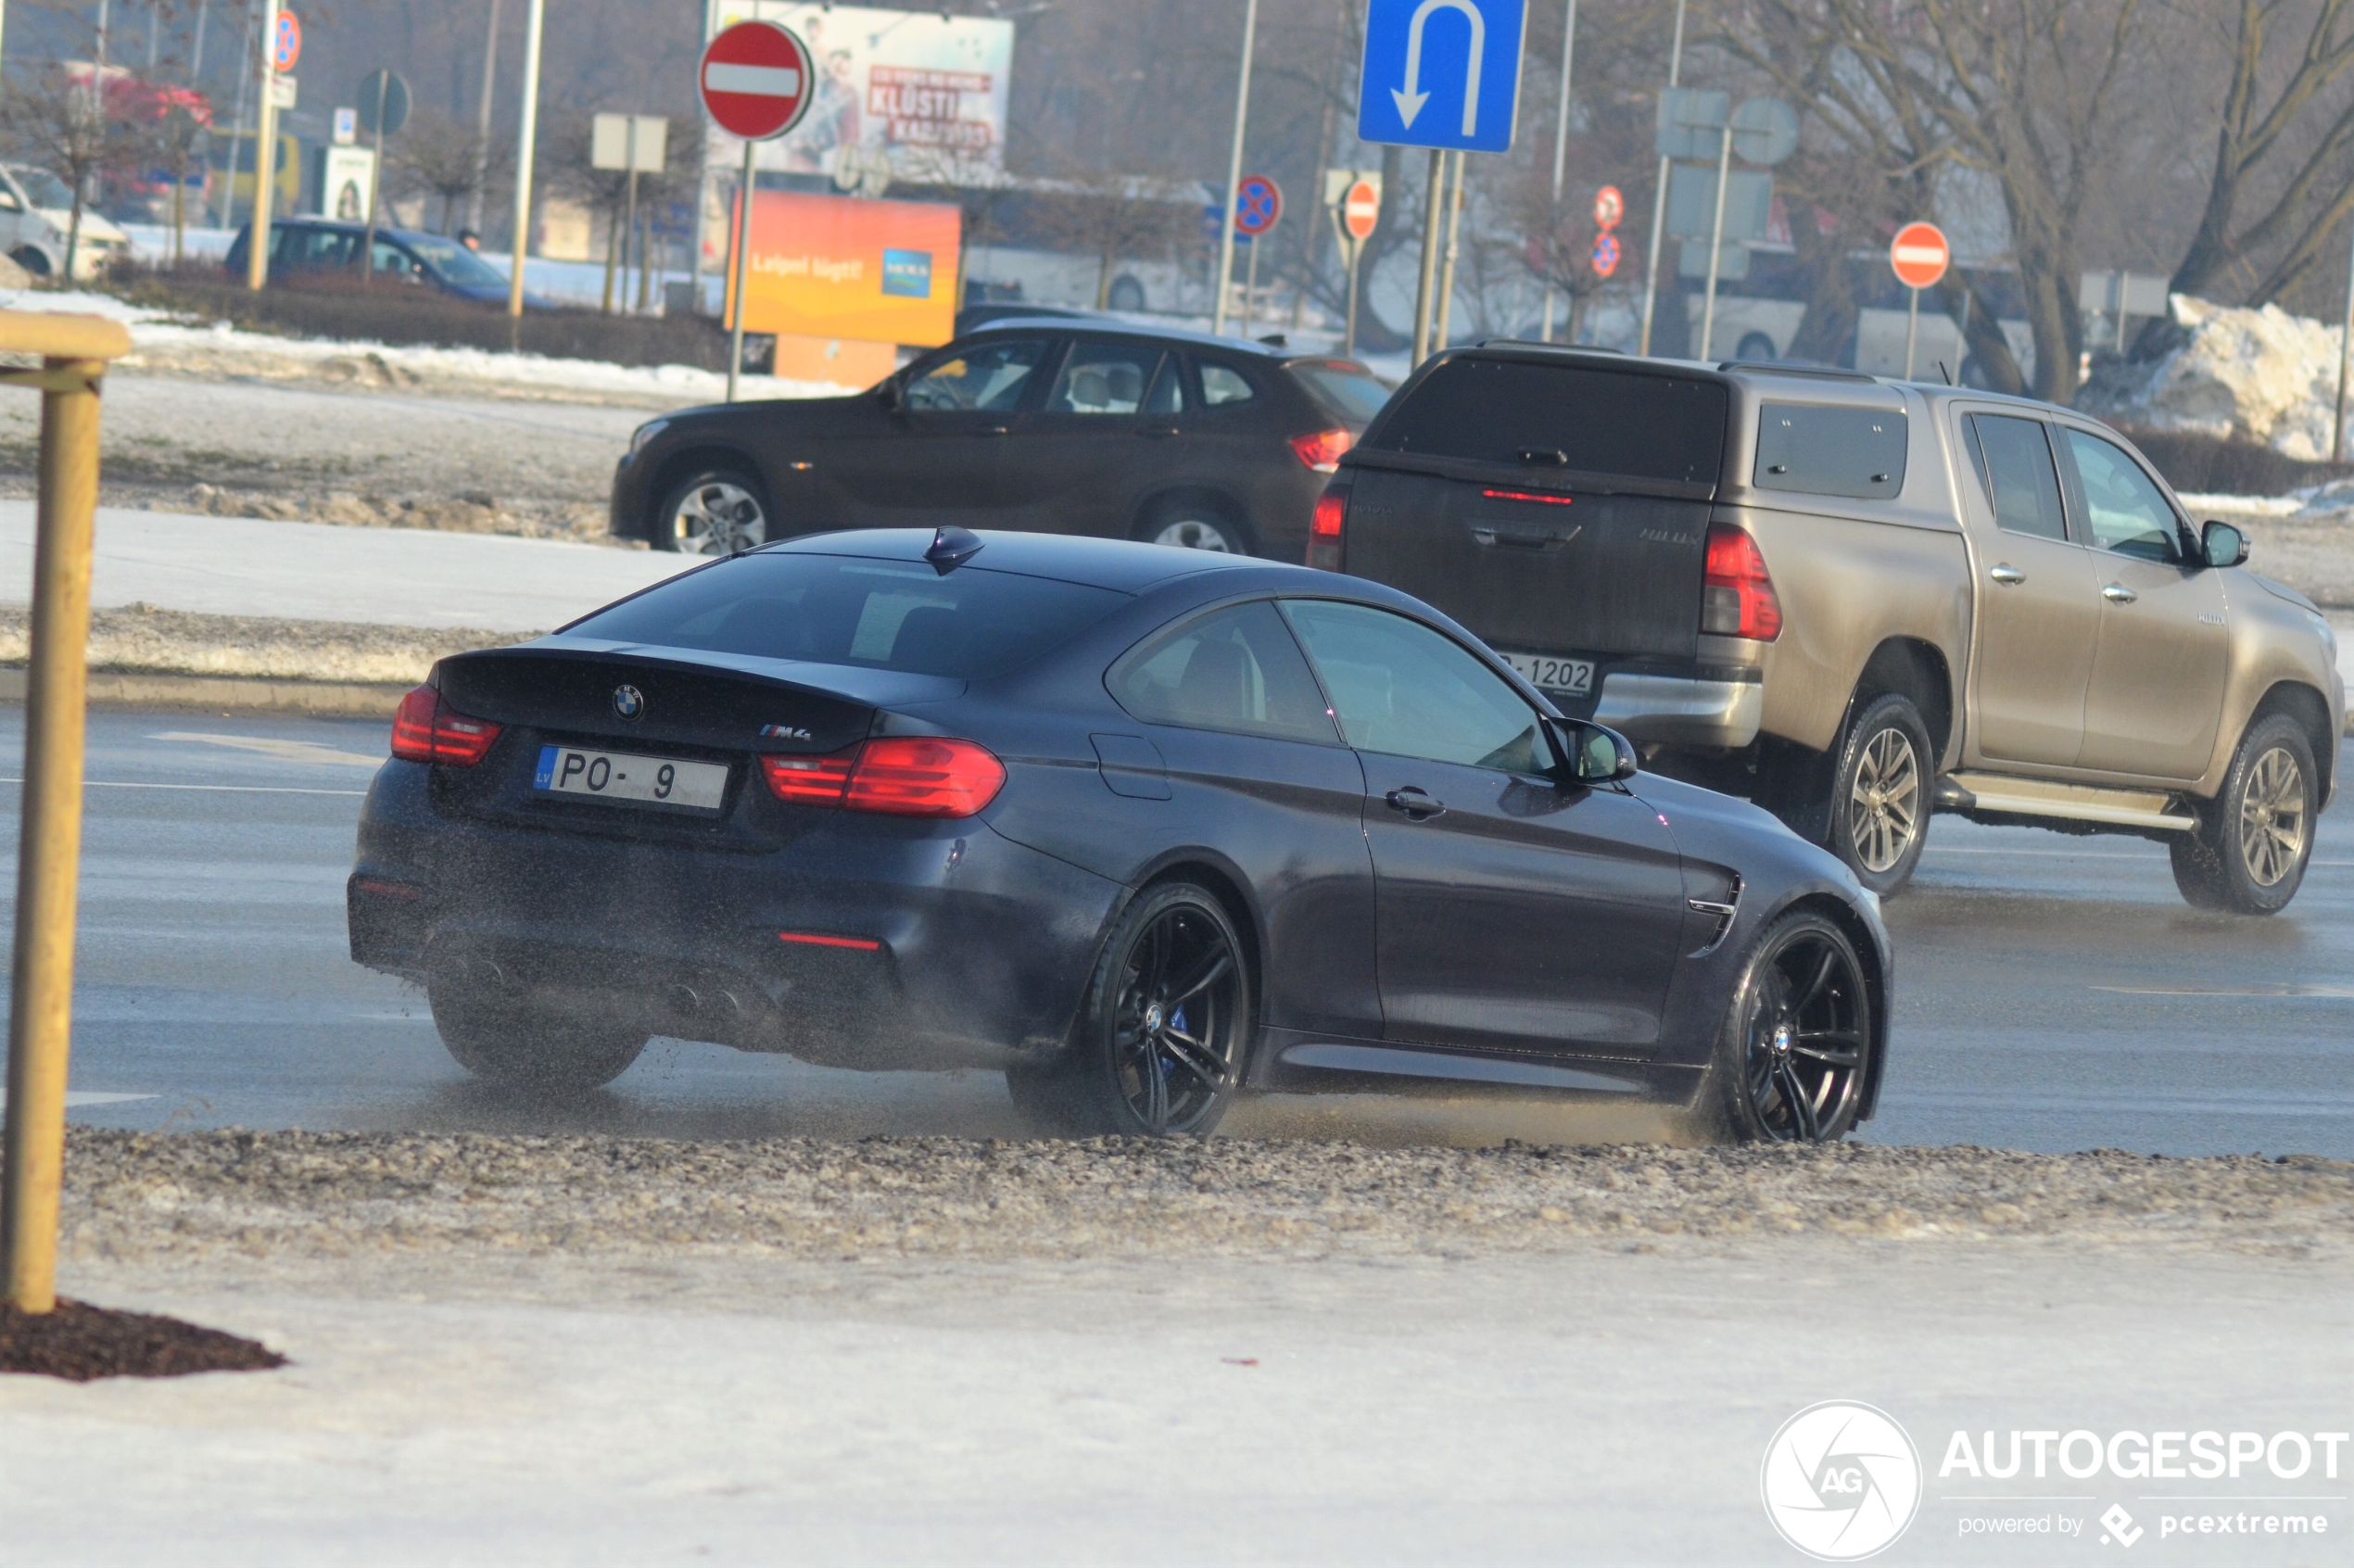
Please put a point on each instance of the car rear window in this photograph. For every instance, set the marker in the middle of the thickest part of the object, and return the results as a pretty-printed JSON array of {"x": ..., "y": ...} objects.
[
  {"x": 1350, "y": 389},
  {"x": 1830, "y": 452},
  {"x": 851, "y": 609},
  {"x": 1658, "y": 427}
]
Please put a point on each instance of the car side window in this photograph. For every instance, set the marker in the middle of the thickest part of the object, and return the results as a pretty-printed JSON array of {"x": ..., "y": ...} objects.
[
  {"x": 1236, "y": 670},
  {"x": 2126, "y": 511},
  {"x": 987, "y": 377},
  {"x": 1401, "y": 688},
  {"x": 2015, "y": 462},
  {"x": 390, "y": 261},
  {"x": 1103, "y": 378},
  {"x": 1222, "y": 385}
]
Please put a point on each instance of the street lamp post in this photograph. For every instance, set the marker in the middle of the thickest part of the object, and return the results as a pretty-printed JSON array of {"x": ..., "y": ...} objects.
[
  {"x": 1659, "y": 197},
  {"x": 526, "y": 135},
  {"x": 1235, "y": 173},
  {"x": 1560, "y": 156}
]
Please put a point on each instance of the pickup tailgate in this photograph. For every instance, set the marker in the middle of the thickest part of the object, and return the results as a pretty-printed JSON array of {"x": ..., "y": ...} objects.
[
  {"x": 1551, "y": 505},
  {"x": 1534, "y": 572}
]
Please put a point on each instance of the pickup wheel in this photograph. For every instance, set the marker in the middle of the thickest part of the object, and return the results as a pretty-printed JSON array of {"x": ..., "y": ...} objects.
[
  {"x": 2249, "y": 853},
  {"x": 1879, "y": 794}
]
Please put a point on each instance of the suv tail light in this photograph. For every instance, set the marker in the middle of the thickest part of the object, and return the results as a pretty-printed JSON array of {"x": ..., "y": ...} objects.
[
  {"x": 427, "y": 729},
  {"x": 909, "y": 776},
  {"x": 1738, "y": 600},
  {"x": 1322, "y": 452},
  {"x": 1325, "y": 529}
]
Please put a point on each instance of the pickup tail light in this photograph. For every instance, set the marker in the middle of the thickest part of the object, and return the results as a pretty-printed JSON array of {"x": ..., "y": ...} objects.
[
  {"x": 1322, "y": 452},
  {"x": 1326, "y": 527},
  {"x": 903, "y": 775},
  {"x": 427, "y": 729},
  {"x": 1739, "y": 598}
]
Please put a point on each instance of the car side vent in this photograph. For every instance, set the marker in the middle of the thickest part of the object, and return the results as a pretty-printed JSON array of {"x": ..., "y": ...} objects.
[{"x": 1724, "y": 910}]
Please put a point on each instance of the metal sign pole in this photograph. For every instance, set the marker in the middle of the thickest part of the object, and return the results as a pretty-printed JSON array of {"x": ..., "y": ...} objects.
[
  {"x": 1234, "y": 174},
  {"x": 1911, "y": 331},
  {"x": 736, "y": 270},
  {"x": 264, "y": 150},
  {"x": 1716, "y": 236},
  {"x": 1432, "y": 188},
  {"x": 1250, "y": 284},
  {"x": 1659, "y": 197},
  {"x": 2344, "y": 344},
  {"x": 1357, "y": 254},
  {"x": 1445, "y": 298},
  {"x": 629, "y": 224},
  {"x": 527, "y": 134},
  {"x": 1560, "y": 156},
  {"x": 375, "y": 182}
]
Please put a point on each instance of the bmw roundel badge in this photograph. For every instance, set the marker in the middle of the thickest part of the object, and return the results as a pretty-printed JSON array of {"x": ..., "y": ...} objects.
[{"x": 628, "y": 702}]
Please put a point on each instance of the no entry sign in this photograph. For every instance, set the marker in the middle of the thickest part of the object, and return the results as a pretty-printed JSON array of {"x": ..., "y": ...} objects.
[
  {"x": 1920, "y": 255},
  {"x": 1360, "y": 209},
  {"x": 756, "y": 80},
  {"x": 1259, "y": 202}
]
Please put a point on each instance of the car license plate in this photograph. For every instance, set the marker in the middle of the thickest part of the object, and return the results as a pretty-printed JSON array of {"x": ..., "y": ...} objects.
[
  {"x": 1546, "y": 672},
  {"x": 619, "y": 775}
]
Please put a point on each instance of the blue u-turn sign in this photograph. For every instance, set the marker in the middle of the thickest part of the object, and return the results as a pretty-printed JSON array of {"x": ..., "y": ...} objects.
[{"x": 1442, "y": 73}]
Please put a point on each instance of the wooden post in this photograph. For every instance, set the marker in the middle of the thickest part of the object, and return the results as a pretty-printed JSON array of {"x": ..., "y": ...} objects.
[{"x": 75, "y": 350}]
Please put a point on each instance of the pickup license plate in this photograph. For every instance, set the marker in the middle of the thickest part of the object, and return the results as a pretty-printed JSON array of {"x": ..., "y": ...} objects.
[
  {"x": 1546, "y": 672},
  {"x": 620, "y": 776}
]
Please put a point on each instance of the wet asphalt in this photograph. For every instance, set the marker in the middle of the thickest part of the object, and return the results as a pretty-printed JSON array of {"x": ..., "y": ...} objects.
[{"x": 2055, "y": 993}]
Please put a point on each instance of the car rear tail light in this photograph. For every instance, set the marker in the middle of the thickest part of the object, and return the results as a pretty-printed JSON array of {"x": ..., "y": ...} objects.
[
  {"x": 427, "y": 729},
  {"x": 1325, "y": 529},
  {"x": 1738, "y": 600},
  {"x": 1322, "y": 452},
  {"x": 906, "y": 776},
  {"x": 809, "y": 780}
]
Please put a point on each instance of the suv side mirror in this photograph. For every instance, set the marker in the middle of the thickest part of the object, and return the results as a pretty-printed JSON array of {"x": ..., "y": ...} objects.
[
  {"x": 1592, "y": 753},
  {"x": 2222, "y": 544}
]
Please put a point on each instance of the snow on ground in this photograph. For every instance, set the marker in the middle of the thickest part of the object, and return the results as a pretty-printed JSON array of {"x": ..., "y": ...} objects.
[
  {"x": 381, "y": 576},
  {"x": 2259, "y": 375},
  {"x": 160, "y": 341}
]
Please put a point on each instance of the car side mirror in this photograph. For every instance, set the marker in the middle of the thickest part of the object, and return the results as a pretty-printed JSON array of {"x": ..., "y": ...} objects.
[
  {"x": 1594, "y": 753},
  {"x": 893, "y": 395},
  {"x": 2222, "y": 544}
]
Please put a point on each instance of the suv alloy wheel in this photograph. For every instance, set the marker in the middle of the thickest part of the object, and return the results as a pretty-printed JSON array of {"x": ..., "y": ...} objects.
[{"x": 2249, "y": 851}]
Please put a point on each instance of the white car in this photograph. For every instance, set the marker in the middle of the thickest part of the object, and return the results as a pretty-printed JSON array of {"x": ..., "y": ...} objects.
[{"x": 36, "y": 214}]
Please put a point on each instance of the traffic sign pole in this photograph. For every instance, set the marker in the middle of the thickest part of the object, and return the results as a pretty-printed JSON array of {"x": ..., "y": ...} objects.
[
  {"x": 757, "y": 80},
  {"x": 1919, "y": 256},
  {"x": 1716, "y": 235},
  {"x": 1235, "y": 173},
  {"x": 736, "y": 271},
  {"x": 1912, "y": 331},
  {"x": 527, "y": 138},
  {"x": 1560, "y": 156},
  {"x": 1432, "y": 185},
  {"x": 1447, "y": 277},
  {"x": 1659, "y": 197}
]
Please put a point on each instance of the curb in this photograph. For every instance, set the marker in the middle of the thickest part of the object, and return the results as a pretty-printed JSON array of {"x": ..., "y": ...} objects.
[{"x": 132, "y": 689}]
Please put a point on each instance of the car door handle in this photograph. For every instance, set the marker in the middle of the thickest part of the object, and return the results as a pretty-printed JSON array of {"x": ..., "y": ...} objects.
[
  {"x": 2008, "y": 574},
  {"x": 1158, "y": 432},
  {"x": 1416, "y": 804},
  {"x": 2118, "y": 593}
]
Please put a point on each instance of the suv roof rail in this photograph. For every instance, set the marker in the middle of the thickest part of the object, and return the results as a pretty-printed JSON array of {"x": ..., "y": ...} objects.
[
  {"x": 1533, "y": 343},
  {"x": 1775, "y": 367}
]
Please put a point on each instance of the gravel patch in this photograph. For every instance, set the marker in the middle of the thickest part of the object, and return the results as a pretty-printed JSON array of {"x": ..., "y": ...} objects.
[
  {"x": 190, "y": 1198},
  {"x": 140, "y": 638}
]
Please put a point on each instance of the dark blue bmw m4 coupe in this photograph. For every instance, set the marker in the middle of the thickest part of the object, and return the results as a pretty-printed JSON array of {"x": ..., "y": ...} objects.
[{"x": 1144, "y": 828}]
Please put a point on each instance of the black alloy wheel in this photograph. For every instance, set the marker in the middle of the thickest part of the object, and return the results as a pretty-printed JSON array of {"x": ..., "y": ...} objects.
[
  {"x": 1880, "y": 796},
  {"x": 1790, "y": 1064},
  {"x": 1162, "y": 1044},
  {"x": 712, "y": 512},
  {"x": 518, "y": 1045},
  {"x": 2249, "y": 853}
]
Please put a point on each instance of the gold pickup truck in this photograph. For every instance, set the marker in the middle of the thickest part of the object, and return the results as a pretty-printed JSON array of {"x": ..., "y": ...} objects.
[{"x": 1860, "y": 602}]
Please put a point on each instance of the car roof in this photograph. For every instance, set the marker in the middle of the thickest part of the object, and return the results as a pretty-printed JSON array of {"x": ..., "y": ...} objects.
[
  {"x": 383, "y": 231},
  {"x": 1132, "y": 328},
  {"x": 1752, "y": 371},
  {"x": 1120, "y": 565}
]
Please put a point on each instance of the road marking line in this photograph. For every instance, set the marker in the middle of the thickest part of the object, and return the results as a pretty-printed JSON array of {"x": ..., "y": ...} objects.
[
  {"x": 270, "y": 746},
  {"x": 2326, "y": 992},
  {"x": 88, "y": 1097},
  {"x": 225, "y": 788}
]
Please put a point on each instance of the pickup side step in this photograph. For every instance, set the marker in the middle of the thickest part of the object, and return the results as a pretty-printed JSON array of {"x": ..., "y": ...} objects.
[{"x": 2078, "y": 802}]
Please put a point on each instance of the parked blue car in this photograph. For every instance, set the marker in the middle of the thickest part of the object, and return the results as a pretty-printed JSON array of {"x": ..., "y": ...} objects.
[{"x": 404, "y": 256}]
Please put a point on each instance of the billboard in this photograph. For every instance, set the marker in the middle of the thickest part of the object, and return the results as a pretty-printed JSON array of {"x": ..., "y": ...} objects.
[
  {"x": 839, "y": 267},
  {"x": 925, "y": 91}
]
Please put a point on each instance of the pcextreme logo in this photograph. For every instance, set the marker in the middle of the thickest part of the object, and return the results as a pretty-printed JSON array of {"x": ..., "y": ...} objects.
[{"x": 1841, "y": 1480}]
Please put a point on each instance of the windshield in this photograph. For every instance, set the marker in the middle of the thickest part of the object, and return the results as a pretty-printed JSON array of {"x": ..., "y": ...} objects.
[
  {"x": 849, "y": 610},
  {"x": 1349, "y": 388},
  {"x": 455, "y": 263},
  {"x": 45, "y": 189}
]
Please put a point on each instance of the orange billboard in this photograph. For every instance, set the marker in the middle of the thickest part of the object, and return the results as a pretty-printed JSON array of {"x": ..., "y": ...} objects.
[{"x": 842, "y": 267}]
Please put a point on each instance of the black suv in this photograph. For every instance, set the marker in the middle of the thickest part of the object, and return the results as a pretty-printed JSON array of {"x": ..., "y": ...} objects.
[{"x": 1049, "y": 426}]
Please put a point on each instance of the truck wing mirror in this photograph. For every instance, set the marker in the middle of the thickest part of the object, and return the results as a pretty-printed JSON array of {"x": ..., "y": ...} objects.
[{"x": 2222, "y": 544}]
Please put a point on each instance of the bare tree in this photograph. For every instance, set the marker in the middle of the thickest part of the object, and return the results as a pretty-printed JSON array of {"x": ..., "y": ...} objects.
[
  {"x": 75, "y": 134},
  {"x": 1115, "y": 217},
  {"x": 437, "y": 156}
]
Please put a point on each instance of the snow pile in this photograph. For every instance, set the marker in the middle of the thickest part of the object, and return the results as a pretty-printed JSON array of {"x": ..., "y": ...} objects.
[
  {"x": 2243, "y": 374},
  {"x": 161, "y": 341}
]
